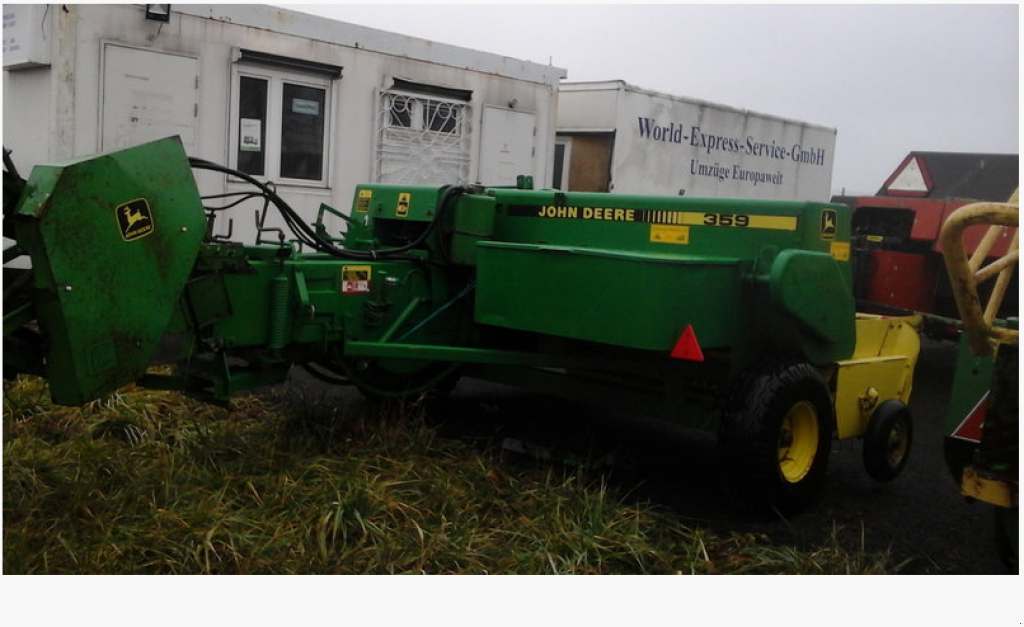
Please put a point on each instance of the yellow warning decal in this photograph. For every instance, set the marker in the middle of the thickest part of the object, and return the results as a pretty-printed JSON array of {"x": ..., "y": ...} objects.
[
  {"x": 840, "y": 251},
  {"x": 741, "y": 220},
  {"x": 355, "y": 279},
  {"x": 403, "y": 205},
  {"x": 135, "y": 219},
  {"x": 669, "y": 234},
  {"x": 363, "y": 203}
]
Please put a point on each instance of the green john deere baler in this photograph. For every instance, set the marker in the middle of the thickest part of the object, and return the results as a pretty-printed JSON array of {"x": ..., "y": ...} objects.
[{"x": 730, "y": 315}]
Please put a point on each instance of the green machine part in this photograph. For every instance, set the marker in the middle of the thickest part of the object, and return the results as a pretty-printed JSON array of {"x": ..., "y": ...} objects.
[
  {"x": 982, "y": 420},
  {"x": 636, "y": 271},
  {"x": 112, "y": 241},
  {"x": 982, "y": 442},
  {"x": 270, "y": 308},
  {"x": 745, "y": 276},
  {"x": 250, "y": 312}
]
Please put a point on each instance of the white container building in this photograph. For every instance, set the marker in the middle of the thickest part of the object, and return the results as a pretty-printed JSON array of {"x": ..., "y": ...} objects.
[{"x": 312, "y": 104}]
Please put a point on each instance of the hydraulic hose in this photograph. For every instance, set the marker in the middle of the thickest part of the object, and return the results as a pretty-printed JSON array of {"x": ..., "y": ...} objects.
[{"x": 309, "y": 237}]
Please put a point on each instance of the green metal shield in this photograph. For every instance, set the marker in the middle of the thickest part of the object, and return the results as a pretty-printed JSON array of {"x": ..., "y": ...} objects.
[{"x": 112, "y": 240}]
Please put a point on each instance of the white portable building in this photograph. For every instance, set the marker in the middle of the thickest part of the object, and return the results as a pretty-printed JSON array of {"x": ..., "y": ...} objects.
[{"x": 311, "y": 104}]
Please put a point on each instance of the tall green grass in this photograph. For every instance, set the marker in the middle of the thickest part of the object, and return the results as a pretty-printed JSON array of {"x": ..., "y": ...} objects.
[{"x": 150, "y": 482}]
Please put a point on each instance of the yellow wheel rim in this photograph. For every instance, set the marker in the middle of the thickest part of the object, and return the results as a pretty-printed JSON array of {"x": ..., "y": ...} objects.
[
  {"x": 897, "y": 444},
  {"x": 798, "y": 441}
]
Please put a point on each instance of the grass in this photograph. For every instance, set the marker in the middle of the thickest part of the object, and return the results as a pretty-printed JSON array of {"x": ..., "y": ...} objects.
[{"x": 150, "y": 482}]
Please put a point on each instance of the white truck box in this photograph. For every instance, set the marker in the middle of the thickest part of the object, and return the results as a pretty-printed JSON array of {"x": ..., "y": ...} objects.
[{"x": 620, "y": 138}]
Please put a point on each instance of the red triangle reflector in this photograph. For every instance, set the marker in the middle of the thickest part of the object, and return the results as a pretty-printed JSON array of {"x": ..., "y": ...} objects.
[
  {"x": 912, "y": 178},
  {"x": 687, "y": 346},
  {"x": 973, "y": 424}
]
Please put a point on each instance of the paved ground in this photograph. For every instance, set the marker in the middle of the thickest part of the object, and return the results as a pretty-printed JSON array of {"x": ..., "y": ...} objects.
[{"x": 919, "y": 516}]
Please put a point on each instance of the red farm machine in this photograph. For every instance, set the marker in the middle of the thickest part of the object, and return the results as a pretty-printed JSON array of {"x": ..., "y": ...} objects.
[{"x": 897, "y": 249}]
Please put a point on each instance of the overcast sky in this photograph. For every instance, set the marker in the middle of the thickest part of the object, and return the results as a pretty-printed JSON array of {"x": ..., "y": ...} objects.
[{"x": 890, "y": 79}]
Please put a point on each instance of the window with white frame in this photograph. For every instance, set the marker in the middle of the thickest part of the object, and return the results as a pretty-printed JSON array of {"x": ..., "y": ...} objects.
[
  {"x": 424, "y": 135},
  {"x": 281, "y": 119}
]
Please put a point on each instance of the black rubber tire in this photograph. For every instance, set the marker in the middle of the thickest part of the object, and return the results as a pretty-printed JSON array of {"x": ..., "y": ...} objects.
[
  {"x": 887, "y": 440},
  {"x": 757, "y": 436}
]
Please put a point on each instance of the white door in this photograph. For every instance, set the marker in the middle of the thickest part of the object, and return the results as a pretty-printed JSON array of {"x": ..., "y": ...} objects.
[
  {"x": 507, "y": 146},
  {"x": 148, "y": 95}
]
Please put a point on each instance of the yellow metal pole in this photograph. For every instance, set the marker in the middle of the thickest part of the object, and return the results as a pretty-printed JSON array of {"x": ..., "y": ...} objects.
[
  {"x": 1002, "y": 281},
  {"x": 965, "y": 274},
  {"x": 984, "y": 246}
]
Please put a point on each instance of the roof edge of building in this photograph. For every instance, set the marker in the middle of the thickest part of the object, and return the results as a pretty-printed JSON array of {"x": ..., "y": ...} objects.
[{"x": 292, "y": 22}]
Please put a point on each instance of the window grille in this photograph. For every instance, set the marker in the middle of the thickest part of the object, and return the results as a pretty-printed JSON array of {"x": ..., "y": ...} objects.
[{"x": 423, "y": 140}]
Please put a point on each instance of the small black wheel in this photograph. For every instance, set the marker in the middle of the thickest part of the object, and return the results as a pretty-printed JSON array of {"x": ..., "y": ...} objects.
[
  {"x": 887, "y": 440},
  {"x": 776, "y": 435}
]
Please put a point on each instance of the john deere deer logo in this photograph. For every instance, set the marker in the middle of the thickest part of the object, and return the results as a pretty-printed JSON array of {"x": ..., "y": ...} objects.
[
  {"x": 828, "y": 224},
  {"x": 135, "y": 219}
]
